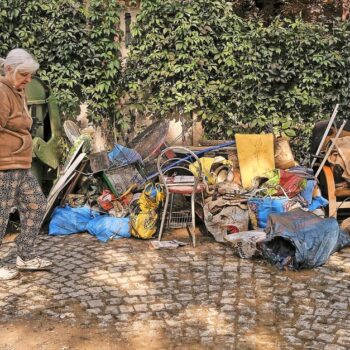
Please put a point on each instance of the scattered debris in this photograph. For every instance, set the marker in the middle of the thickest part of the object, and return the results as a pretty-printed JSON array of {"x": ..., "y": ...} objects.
[
  {"x": 112, "y": 191},
  {"x": 246, "y": 244},
  {"x": 167, "y": 244}
]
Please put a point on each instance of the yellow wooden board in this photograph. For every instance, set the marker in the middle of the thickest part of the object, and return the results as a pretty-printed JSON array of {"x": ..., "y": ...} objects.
[{"x": 255, "y": 156}]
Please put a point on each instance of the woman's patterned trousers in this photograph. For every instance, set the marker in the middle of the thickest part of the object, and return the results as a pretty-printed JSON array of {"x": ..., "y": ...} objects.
[{"x": 19, "y": 188}]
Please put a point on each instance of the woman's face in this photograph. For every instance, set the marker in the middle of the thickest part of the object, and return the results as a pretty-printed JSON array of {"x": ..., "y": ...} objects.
[{"x": 18, "y": 79}]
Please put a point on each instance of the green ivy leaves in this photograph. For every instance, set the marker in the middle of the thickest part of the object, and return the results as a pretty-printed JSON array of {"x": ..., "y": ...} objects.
[
  {"x": 198, "y": 56},
  {"x": 189, "y": 57},
  {"x": 75, "y": 45}
]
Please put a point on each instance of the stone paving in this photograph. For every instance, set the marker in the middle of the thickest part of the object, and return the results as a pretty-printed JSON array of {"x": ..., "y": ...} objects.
[{"x": 203, "y": 297}]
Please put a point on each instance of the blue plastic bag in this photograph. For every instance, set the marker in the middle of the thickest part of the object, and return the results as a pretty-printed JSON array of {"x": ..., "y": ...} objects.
[
  {"x": 261, "y": 208},
  {"x": 68, "y": 220},
  {"x": 318, "y": 202},
  {"x": 307, "y": 192},
  {"x": 105, "y": 227}
]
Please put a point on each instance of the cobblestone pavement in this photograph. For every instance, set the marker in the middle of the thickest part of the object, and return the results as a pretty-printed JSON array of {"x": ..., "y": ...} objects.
[{"x": 196, "y": 298}]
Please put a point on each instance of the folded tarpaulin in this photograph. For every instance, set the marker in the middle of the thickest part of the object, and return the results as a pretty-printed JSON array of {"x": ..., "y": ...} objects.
[
  {"x": 300, "y": 239},
  {"x": 67, "y": 220},
  {"x": 106, "y": 227}
]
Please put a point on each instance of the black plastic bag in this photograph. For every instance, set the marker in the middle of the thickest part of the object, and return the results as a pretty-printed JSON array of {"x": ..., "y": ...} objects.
[{"x": 300, "y": 239}]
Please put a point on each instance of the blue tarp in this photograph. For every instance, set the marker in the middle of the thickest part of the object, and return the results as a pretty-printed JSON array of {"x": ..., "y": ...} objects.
[
  {"x": 261, "y": 208},
  {"x": 307, "y": 193},
  {"x": 300, "y": 239},
  {"x": 318, "y": 202},
  {"x": 68, "y": 220},
  {"x": 107, "y": 227}
]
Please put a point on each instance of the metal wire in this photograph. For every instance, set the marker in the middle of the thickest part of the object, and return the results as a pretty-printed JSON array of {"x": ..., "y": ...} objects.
[{"x": 341, "y": 203}]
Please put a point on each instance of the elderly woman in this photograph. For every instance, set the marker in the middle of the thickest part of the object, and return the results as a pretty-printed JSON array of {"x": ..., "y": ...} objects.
[{"x": 18, "y": 186}]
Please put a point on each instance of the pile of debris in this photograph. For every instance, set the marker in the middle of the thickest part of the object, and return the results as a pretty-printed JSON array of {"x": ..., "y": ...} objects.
[
  {"x": 258, "y": 199},
  {"x": 98, "y": 189}
]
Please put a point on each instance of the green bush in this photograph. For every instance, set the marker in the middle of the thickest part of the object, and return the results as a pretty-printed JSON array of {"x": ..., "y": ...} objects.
[
  {"x": 237, "y": 75},
  {"x": 75, "y": 46}
]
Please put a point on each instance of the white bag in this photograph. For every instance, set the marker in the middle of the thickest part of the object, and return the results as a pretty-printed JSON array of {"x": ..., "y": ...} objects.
[{"x": 245, "y": 243}]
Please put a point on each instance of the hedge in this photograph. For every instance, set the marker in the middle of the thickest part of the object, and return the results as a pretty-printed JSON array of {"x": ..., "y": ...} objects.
[{"x": 237, "y": 75}]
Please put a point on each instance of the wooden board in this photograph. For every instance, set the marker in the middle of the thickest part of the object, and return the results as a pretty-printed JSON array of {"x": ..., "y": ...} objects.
[
  {"x": 62, "y": 182},
  {"x": 255, "y": 156},
  {"x": 73, "y": 183}
]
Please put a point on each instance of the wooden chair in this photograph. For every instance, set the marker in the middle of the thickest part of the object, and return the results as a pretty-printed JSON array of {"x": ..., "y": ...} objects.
[
  {"x": 337, "y": 197},
  {"x": 328, "y": 179}
]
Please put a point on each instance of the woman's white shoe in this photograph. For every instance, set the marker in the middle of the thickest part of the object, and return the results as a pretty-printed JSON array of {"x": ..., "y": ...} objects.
[
  {"x": 35, "y": 264},
  {"x": 7, "y": 273}
]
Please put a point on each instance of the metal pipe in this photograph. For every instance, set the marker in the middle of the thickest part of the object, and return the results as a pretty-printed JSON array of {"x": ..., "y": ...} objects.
[{"x": 198, "y": 153}]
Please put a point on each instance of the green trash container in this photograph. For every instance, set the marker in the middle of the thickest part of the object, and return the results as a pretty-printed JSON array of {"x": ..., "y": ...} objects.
[{"x": 46, "y": 131}]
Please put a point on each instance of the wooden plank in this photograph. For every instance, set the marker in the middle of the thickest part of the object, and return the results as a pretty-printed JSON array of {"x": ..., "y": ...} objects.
[
  {"x": 62, "y": 182},
  {"x": 73, "y": 184}
]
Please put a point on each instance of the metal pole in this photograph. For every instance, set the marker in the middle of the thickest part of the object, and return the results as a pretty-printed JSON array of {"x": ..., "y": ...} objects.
[
  {"x": 325, "y": 135},
  {"x": 330, "y": 149},
  {"x": 198, "y": 153}
]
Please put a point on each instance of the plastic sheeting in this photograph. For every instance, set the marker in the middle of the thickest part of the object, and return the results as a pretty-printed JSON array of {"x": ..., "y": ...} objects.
[
  {"x": 106, "y": 227},
  {"x": 261, "y": 208},
  {"x": 312, "y": 203},
  {"x": 68, "y": 220},
  {"x": 300, "y": 239}
]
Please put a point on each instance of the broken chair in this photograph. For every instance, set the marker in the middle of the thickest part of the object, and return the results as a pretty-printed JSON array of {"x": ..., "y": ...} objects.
[
  {"x": 333, "y": 186},
  {"x": 173, "y": 167}
]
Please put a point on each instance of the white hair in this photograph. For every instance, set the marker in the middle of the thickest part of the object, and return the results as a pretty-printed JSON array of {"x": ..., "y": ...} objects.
[{"x": 20, "y": 60}]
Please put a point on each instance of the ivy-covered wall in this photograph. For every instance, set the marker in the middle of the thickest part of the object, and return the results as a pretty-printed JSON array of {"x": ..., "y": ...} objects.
[
  {"x": 237, "y": 75},
  {"x": 187, "y": 56},
  {"x": 74, "y": 42}
]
